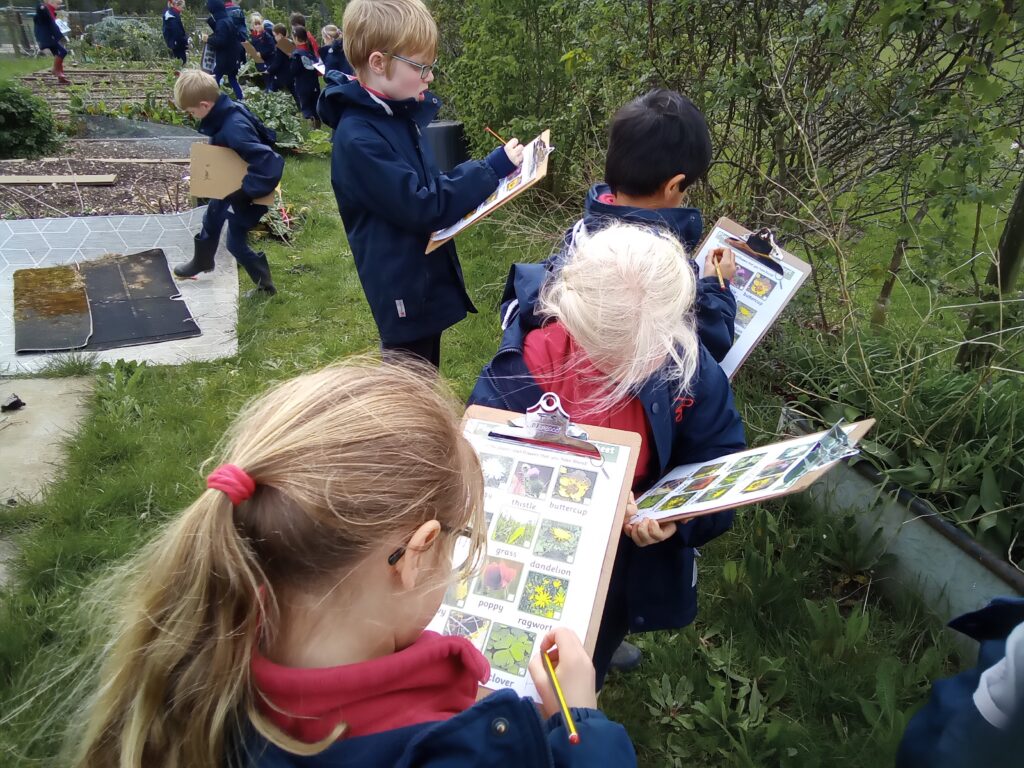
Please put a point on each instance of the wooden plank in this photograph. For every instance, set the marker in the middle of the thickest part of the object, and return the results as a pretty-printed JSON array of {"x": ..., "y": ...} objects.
[{"x": 83, "y": 180}]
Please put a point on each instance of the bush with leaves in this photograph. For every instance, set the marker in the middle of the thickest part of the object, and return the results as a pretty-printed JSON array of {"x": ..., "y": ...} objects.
[
  {"x": 127, "y": 39},
  {"x": 27, "y": 127},
  {"x": 277, "y": 111}
]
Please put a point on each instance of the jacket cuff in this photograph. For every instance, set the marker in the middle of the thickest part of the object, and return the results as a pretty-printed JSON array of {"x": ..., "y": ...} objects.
[
  {"x": 579, "y": 715},
  {"x": 711, "y": 281},
  {"x": 500, "y": 163}
]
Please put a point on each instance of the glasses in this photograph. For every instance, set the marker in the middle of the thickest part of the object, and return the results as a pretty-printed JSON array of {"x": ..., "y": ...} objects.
[
  {"x": 425, "y": 69},
  {"x": 464, "y": 534}
]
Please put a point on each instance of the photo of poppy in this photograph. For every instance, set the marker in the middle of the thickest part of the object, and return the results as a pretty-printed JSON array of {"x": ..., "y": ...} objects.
[
  {"x": 747, "y": 462},
  {"x": 515, "y": 528},
  {"x": 544, "y": 595},
  {"x": 702, "y": 483},
  {"x": 575, "y": 485},
  {"x": 795, "y": 452},
  {"x": 473, "y": 628},
  {"x": 707, "y": 469},
  {"x": 761, "y": 483},
  {"x": 509, "y": 649},
  {"x": 774, "y": 467},
  {"x": 761, "y": 287},
  {"x": 732, "y": 478},
  {"x": 744, "y": 315},
  {"x": 742, "y": 276},
  {"x": 671, "y": 485},
  {"x": 714, "y": 493},
  {"x": 498, "y": 579},
  {"x": 457, "y": 593},
  {"x": 531, "y": 480},
  {"x": 677, "y": 501},
  {"x": 496, "y": 469},
  {"x": 558, "y": 541},
  {"x": 651, "y": 501}
]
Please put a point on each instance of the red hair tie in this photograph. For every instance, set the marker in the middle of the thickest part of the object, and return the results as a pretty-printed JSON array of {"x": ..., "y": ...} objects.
[{"x": 232, "y": 480}]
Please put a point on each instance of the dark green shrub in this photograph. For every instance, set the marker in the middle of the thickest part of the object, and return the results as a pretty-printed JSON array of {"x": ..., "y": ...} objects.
[
  {"x": 277, "y": 111},
  {"x": 27, "y": 127},
  {"x": 128, "y": 39}
]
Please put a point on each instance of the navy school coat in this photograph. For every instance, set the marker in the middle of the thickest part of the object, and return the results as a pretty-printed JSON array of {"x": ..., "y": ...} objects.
[
  {"x": 333, "y": 57},
  {"x": 279, "y": 69},
  {"x": 174, "y": 32},
  {"x": 48, "y": 34},
  {"x": 658, "y": 582},
  {"x": 392, "y": 196},
  {"x": 501, "y": 730},
  {"x": 223, "y": 41},
  {"x": 306, "y": 81}
]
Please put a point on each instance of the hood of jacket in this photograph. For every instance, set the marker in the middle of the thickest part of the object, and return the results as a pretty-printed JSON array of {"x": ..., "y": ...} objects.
[
  {"x": 216, "y": 9},
  {"x": 686, "y": 224},
  {"x": 347, "y": 95}
]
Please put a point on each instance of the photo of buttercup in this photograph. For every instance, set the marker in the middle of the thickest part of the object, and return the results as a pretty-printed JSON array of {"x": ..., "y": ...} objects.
[
  {"x": 761, "y": 287},
  {"x": 575, "y": 485},
  {"x": 558, "y": 541},
  {"x": 761, "y": 483}
]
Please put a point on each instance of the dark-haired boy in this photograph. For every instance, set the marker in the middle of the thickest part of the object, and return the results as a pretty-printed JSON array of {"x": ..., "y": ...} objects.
[{"x": 659, "y": 146}]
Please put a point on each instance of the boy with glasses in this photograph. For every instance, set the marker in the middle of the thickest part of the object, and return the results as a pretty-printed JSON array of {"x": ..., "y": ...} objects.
[{"x": 389, "y": 191}]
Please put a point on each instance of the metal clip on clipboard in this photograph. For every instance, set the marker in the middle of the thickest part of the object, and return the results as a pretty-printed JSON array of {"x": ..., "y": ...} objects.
[
  {"x": 547, "y": 425},
  {"x": 833, "y": 446}
]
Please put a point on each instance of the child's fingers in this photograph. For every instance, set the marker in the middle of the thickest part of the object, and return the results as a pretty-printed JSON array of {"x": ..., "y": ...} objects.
[{"x": 548, "y": 700}]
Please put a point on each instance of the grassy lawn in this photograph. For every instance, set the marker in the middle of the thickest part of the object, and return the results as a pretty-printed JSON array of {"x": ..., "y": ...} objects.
[
  {"x": 16, "y": 66},
  {"x": 791, "y": 662}
]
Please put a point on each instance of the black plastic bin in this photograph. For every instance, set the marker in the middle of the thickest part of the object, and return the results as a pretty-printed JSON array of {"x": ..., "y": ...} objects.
[{"x": 447, "y": 140}]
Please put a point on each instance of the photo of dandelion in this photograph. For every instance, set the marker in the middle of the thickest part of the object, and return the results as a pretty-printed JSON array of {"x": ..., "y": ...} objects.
[
  {"x": 509, "y": 649},
  {"x": 498, "y": 579},
  {"x": 714, "y": 493},
  {"x": 708, "y": 469},
  {"x": 651, "y": 501},
  {"x": 677, "y": 501},
  {"x": 515, "y": 528},
  {"x": 473, "y": 628},
  {"x": 746, "y": 462},
  {"x": 558, "y": 541},
  {"x": 531, "y": 480},
  {"x": 496, "y": 469},
  {"x": 544, "y": 595},
  {"x": 761, "y": 483},
  {"x": 575, "y": 485},
  {"x": 457, "y": 593}
]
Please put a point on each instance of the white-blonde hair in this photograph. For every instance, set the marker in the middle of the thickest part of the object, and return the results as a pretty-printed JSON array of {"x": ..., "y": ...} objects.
[
  {"x": 254, "y": 19},
  {"x": 625, "y": 295}
]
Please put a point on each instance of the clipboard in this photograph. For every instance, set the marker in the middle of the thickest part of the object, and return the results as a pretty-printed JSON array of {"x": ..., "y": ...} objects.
[
  {"x": 557, "y": 530},
  {"x": 216, "y": 172},
  {"x": 251, "y": 52},
  {"x": 750, "y": 476},
  {"x": 761, "y": 294},
  {"x": 533, "y": 169},
  {"x": 286, "y": 46}
]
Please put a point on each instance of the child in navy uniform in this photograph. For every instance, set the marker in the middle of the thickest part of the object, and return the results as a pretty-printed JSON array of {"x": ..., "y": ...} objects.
[
  {"x": 389, "y": 190},
  {"x": 225, "y": 45},
  {"x": 261, "y": 35},
  {"x": 333, "y": 51},
  {"x": 279, "y": 66},
  {"x": 49, "y": 36},
  {"x": 280, "y": 619},
  {"x": 174, "y": 30},
  {"x": 612, "y": 334},
  {"x": 659, "y": 146},
  {"x": 229, "y": 124},
  {"x": 305, "y": 78}
]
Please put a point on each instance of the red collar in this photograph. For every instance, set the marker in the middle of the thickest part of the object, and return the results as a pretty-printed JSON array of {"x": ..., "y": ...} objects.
[
  {"x": 376, "y": 93},
  {"x": 433, "y": 679},
  {"x": 53, "y": 11}
]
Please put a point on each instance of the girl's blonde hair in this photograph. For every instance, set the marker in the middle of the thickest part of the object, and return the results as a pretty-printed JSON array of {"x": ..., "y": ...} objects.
[
  {"x": 344, "y": 460},
  {"x": 626, "y": 295},
  {"x": 330, "y": 32},
  {"x": 404, "y": 27},
  {"x": 255, "y": 19}
]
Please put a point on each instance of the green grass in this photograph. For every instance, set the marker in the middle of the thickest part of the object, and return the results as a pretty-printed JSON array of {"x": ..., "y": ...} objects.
[
  {"x": 836, "y": 692},
  {"x": 16, "y": 66}
]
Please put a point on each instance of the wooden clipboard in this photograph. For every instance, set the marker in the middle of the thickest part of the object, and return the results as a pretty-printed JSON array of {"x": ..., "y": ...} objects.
[
  {"x": 496, "y": 201},
  {"x": 603, "y": 562},
  {"x": 216, "y": 172},
  {"x": 854, "y": 432},
  {"x": 286, "y": 46},
  {"x": 251, "y": 51}
]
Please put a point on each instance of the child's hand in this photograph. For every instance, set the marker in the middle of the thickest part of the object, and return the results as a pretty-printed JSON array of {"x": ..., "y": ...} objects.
[
  {"x": 573, "y": 667},
  {"x": 726, "y": 263},
  {"x": 647, "y": 531},
  {"x": 514, "y": 150}
]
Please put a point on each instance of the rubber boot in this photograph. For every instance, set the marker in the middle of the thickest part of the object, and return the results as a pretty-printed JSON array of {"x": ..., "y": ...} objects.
[
  {"x": 259, "y": 271},
  {"x": 58, "y": 70},
  {"x": 202, "y": 261}
]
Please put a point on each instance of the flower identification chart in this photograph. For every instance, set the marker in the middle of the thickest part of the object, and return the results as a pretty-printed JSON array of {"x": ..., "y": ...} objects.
[{"x": 553, "y": 523}]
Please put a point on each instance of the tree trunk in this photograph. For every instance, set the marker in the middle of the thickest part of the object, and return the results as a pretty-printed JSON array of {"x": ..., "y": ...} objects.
[{"x": 1002, "y": 277}]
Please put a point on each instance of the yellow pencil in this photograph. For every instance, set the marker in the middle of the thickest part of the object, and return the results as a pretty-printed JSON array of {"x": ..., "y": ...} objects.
[
  {"x": 574, "y": 737},
  {"x": 718, "y": 271},
  {"x": 495, "y": 135}
]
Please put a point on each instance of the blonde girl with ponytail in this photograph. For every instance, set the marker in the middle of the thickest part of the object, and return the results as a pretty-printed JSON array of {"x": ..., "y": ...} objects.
[{"x": 279, "y": 620}]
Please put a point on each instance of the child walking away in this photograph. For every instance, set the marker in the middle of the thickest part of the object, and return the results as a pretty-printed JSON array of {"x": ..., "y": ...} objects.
[
  {"x": 279, "y": 68},
  {"x": 389, "y": 191},
  {"x": 333, "y": 51},
  {"x": 279, "y": 620},
  {"x": 612, "y": 334},
  {"x": 659, "y": 146},
  {"x": 50, "y": 38},
  {"x": 237, "y": 16},
  {"x": 225, "y": 45},
  {"x": 174, "y": 30},
  {"x": 305, "y": 78},
  {"x": 297, "y": 20},
  {"x": 229, "y": 124}
]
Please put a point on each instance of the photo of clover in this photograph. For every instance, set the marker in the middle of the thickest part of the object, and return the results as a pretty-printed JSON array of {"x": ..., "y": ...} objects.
[
  {"x": 508, "y": 649},
  {"x": 544, "y": 595}
]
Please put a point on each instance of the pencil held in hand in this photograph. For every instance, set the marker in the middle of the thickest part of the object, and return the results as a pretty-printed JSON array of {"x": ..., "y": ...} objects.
[
  {"x": 495, "y": 135},
  {"x": 574, "y": 736}
]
